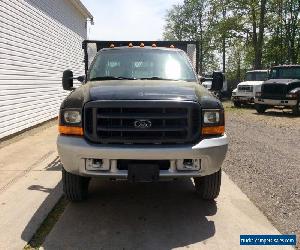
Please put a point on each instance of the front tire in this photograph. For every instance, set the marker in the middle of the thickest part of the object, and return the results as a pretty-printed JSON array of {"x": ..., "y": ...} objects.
[
  {"x": 296, "y": 109},
  {"x": 260, "y": 108},
  {"x": 208, "y": 187},
  {"x": 75, "y": 187}
]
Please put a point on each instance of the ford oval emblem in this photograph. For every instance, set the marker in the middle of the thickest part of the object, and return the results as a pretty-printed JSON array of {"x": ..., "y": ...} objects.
[{"x": 142, "y": 124}]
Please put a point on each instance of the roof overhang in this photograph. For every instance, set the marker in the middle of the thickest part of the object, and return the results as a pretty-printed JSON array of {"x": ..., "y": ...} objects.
[{"x": 82, "y": 9}]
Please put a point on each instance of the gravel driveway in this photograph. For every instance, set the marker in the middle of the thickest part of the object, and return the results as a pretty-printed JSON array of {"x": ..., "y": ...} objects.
[{"x": 264, "y": 161}]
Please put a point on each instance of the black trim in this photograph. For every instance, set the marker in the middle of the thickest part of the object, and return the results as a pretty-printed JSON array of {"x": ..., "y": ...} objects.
[{"x": 173, "y": 122}]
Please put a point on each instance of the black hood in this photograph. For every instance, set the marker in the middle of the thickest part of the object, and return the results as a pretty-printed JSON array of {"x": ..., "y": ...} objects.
[
  {"x": 279, "y": 81},
  {"x": 141, "y": 90}
]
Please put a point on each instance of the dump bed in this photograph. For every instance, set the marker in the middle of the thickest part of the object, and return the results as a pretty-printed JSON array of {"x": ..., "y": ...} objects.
[{"x": 91, "y": 47}]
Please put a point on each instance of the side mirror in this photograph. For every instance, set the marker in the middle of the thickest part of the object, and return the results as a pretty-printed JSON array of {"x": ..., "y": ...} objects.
[
  {"x": 217, "y": 81},
  {"x": 67, "y": 80},
  {"x": 201, "y": 79},
  {"x": 81, "y": 78}
]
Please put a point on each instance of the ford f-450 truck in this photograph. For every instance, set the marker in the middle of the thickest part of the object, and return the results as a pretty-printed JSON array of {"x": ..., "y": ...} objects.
[{"x": 141, "y": 114}]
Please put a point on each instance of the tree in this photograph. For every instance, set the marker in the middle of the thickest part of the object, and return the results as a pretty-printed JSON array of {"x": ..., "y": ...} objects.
[{"x": 258, "y": 33}]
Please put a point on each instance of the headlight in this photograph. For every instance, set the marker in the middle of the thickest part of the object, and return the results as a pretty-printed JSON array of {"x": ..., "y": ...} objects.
[
  {"x": 291, "y": 95},
  {"x": 211, "y": 117},
  {"x": 213, "y": 122},
  {"x": 258, "y": 94},
  {"x": 72, "y": 117}
]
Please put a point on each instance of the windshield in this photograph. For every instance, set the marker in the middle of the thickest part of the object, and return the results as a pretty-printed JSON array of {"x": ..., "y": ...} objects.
[
  {"x": 256, "y": 76},
  {"x": 285, "y": 73},
  {"x": 135, "y": 63}
]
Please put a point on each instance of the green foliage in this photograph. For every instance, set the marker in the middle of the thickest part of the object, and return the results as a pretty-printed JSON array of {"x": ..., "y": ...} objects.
[{"x": 245, "y": 34}]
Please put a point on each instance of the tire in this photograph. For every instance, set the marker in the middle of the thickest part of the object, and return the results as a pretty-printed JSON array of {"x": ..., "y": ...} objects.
[
  {"x": 296, "y": 109},
  {"x": 237, "y": 104},
  {"x": 208, "y": 187},
  {"x": 260, "y": 108},
  {"x": 75, "y": 187}
]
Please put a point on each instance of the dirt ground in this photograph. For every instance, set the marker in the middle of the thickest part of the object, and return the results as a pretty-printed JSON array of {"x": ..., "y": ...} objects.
[{"x": 264, "y": 161}]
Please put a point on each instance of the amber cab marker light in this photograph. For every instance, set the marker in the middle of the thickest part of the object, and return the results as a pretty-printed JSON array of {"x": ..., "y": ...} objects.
[
  {"x": 215, "y": 130},
  {"x": 130, "y": 45},
  {"x": 66, "y": 130}
]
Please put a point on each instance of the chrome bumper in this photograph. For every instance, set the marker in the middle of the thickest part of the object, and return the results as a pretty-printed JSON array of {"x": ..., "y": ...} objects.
[
  {"x": 275, "y": 102},
  {"x": 243, "y": 98},
  {"x": 75, "y": 152}
]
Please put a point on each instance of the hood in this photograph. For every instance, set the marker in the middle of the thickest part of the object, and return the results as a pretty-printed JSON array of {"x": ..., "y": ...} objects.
[
  {"x": 145, "y": 90},
  {"x": 251, "y": 83},
  {"x": 141, "y": 90},
  {"x": 280, "y": 81}
]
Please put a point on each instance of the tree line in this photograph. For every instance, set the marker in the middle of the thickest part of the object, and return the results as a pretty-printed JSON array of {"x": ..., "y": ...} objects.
[{"x": 235, "y": 36}]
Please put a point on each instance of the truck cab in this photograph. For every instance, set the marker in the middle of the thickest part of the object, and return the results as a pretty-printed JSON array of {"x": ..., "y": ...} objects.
[
  {"x": 246, "y": 90},
  {"x": 282, "y": 90},
  {"x": 140, "y": 115}
]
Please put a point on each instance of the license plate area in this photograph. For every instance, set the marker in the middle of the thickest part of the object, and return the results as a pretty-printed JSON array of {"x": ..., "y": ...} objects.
[{"x": 143, "y": 172}]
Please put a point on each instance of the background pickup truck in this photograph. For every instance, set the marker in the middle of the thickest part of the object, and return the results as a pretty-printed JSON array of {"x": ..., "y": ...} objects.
[{"x": 141, "y": 115}]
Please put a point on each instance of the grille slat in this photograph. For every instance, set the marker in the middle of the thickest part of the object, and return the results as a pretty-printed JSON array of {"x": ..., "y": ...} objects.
[
  {"x": 139, "y": 115},
  {"x": 115, "y": 122},
  {"x": 164, "y": 129}
]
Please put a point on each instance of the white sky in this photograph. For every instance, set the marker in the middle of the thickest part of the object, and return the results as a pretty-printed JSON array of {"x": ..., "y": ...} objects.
[{"x": 128, "y": 19}]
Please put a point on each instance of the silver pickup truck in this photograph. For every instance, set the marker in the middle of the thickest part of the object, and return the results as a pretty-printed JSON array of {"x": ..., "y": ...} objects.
[{"x": 141, "y": 114}]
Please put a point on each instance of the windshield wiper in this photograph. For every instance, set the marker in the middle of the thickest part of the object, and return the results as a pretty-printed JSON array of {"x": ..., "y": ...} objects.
[
  {"x": 157, "y": 78},
  {"x": 99, "y": 78}
]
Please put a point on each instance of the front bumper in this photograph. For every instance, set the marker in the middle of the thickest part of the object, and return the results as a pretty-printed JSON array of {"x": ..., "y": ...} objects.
[
  {"x": 273, "y": 102},
  {"x": 75, "y": 152},
  {"x": 242, "y": 98}
]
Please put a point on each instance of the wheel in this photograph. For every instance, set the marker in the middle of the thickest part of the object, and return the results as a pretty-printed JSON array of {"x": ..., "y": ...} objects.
[
  {"x": 75, "y": 187},
  {"x": 260, "y": 108},
  {"x": 296, "y": 109},
  {"x": 208, "y": 187},
  {"x": 237, "y": 104}
]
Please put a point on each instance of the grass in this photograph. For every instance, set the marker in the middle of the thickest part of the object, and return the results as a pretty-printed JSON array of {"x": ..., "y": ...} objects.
[
  {"x": 47, "y": 225},
  {"x": 229, "y": 107}
]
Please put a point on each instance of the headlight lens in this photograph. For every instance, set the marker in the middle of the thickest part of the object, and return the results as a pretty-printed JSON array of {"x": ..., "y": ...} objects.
[
  {"x": 211, "y": 117},
  {"x": 72, "y": 117}
]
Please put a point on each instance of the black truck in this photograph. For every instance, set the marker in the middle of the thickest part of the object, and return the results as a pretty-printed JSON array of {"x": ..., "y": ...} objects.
[
  {"x": 281, "y": 90},
  {"x": 141, "y": 114}
]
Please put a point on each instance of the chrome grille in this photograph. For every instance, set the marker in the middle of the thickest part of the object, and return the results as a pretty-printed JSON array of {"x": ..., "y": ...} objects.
[{"x": 245, "y": 88}]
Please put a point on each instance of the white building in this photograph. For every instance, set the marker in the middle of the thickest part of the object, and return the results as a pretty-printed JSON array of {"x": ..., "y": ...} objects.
[{"x": 39, "y": 39}]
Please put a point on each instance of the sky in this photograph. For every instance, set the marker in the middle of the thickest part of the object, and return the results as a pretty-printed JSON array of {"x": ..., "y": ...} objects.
[{"x": 128, "y": 19}]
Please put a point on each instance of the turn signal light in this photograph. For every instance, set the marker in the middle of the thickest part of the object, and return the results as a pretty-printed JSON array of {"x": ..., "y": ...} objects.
[
  {"x": 68, "y": 130},
  {"x": 214, "y": 130}
]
